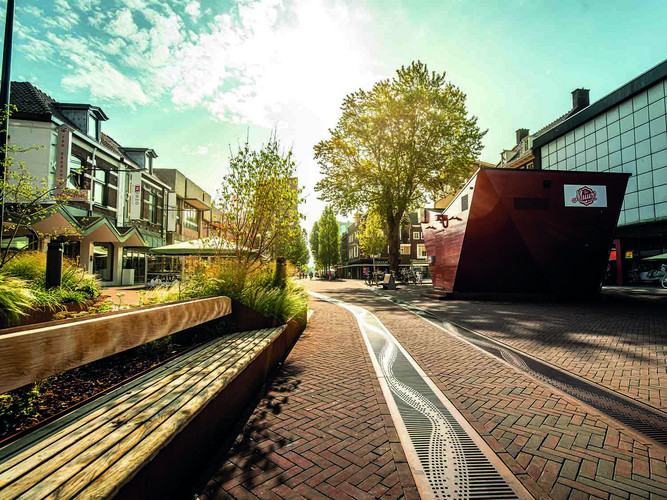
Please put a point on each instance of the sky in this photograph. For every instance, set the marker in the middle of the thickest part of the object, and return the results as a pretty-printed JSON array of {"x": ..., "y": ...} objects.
[{"x": 192, "y": 79}]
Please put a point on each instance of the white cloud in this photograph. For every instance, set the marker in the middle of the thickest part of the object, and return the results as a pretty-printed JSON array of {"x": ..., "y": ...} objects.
[
  {"x": 193, "y": 9},
  {"x": 276, "y": 64},
  {"x": 31, "y": 9},
  {"x": 90, "y": 70},
  {"x": 123, "y": 24},
  {"x": 85, "y": 5},
  {"x": 268, "y": 59},
  {"x": 66, "y": 19}
]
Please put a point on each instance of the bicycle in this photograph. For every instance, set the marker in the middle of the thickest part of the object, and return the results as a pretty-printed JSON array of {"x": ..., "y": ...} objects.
[{"x": 663, "y": 279}]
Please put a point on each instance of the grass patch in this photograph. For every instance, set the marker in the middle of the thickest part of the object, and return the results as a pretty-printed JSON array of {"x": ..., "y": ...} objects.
[
  {"x": 23, "y": 287},
  {"x": 256, "y": 289}
]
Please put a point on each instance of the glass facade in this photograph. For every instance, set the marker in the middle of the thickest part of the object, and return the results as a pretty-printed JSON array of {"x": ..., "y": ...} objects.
[{"x": 630, "y": 137}]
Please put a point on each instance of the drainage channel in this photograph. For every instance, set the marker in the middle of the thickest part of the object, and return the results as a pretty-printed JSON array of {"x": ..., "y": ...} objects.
[
  {"x": 641, "y": 418},
  {"x": 447, "y": 456}
]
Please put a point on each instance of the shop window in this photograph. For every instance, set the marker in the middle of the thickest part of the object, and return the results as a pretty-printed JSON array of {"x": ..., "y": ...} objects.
[
  {"x": 152, "y": 208},
  {"x": 75, "y": 180},
  {"x": 190, "y": 218},
  {"x": 103, "y": 261}
]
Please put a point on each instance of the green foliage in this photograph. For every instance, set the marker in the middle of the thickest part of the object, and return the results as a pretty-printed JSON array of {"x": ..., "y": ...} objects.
[
  {"x": 371, "y": 234},
  {"x": 393, "y": 145},
  {"x": 27, "y": 272},
  {"x": 99, "y": 308},
  {"x": 275, "y": 302},
  {"x": 328, "y": 239},
  {"x": 253, "y": 288},
  {"x": 258, "y": 201},
  {"x": 315, "y": 245},
  {"x": 12, "y": 406},
  {"x": 294, "y": 248},
  {"x": 22, "y": 403},
  {"x": 16, "y": 300}
]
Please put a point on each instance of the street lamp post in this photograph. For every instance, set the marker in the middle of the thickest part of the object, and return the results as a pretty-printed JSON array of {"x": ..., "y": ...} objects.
[{"x": 4, "y": 103}]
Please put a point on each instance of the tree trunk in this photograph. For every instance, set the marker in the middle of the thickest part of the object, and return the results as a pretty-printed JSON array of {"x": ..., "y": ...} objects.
[{"x": 394, "y": 246}]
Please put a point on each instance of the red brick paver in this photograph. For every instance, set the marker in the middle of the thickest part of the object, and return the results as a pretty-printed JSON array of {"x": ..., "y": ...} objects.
[
  {"x": 323, "y": 430},
  {"x": 619, "y": 343},
  {"x": 557, "y": 446}
]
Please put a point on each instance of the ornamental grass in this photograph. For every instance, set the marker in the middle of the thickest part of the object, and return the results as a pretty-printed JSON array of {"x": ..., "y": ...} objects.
[{"x": 23, "y": 287}]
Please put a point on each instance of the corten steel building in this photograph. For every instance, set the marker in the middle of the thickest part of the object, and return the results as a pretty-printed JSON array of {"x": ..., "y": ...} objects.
[{"x": 625, "y": 131}]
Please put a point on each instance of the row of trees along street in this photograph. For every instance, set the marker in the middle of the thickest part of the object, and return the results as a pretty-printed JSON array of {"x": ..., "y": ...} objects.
[
  {"x": 325, "y": 241},
  {"x": 408, "y": 139}
]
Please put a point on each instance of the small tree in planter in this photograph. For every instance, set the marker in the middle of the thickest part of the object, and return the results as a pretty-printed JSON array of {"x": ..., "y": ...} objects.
[{"x": 258, "y": 201}]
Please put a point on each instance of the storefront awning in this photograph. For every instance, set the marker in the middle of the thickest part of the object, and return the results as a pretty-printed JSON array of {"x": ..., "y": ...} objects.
[
  {"x": 204, "y": 247},
  {"x": 662, "y": 256},
  {"x": 66, "y": 225},
  {"x": 197, "y": 203}
]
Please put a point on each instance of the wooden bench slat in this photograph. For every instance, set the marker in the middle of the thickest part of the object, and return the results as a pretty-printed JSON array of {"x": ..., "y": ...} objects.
[
  {"x": 142, "y": 430},
  {"x": 145, "y": 443},
  {"x": 86, "y": 413},
  {"x": 185, "y": 382},
  {"x": 66, "y": 442},
  {"x": 110, "y": 406}
]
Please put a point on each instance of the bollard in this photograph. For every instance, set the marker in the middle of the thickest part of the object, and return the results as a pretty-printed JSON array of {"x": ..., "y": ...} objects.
[
  {"x": 54, "y": 264},
  {"x": 281, "y": 272}
]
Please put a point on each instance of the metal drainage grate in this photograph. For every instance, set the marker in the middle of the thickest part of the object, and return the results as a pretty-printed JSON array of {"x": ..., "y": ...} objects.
[
  {"x": 639, "y": 417},
  {"x": 454, "y": 464}
]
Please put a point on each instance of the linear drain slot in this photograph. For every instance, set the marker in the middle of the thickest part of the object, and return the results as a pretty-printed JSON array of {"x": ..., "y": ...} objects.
[{"x": 454, "y": 465}]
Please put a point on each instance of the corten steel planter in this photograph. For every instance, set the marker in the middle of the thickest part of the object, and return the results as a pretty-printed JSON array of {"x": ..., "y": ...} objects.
[
  {"x": 168, "y": 475},
  {"x": 31, "y": 353},
  {"x": 525, "y": 232}
]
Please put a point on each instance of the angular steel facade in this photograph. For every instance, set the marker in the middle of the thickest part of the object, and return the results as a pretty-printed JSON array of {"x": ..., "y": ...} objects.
[{"x": 525, "y": 231}]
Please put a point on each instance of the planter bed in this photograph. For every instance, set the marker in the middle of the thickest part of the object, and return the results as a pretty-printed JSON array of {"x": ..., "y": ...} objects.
[{"x": 144, "y": 439}]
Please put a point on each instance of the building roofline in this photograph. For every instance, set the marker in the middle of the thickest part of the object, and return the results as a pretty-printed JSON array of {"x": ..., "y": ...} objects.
[
  {"x": 100, "y": 115},
  {"x": 643, "y": 81},
  {"x": 150, "y": 152}
]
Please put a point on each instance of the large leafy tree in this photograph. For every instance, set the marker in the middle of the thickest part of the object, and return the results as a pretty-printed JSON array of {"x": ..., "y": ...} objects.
[
  {"x": 258, "y": 202},
  {"x": 406, "y": 138},
  {"x": 328, "y": 239},
  {"x": 371, "y": 235}
]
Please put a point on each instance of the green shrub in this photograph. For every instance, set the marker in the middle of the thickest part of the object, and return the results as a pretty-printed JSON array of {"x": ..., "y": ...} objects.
[
  {"x": 16, "y": 300},
  {"x": 163, "y": 293},
  {"x": 276, "y": 302},
  {"x": 254, "y": 289},
  {"x": 28, "y": 266},
  {"x": 78, "y": 286}
]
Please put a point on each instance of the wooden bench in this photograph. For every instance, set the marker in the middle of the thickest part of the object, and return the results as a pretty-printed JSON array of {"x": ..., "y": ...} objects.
[{"x": 136, "y": 440}]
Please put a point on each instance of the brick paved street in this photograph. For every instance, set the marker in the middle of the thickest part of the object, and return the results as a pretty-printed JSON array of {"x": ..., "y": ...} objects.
[
  {"x": 557, "y": 447},
  {"x": 323, "y": 430},
  {"x": 620, "y": 343},
  {"x": 333, "y": 437}
]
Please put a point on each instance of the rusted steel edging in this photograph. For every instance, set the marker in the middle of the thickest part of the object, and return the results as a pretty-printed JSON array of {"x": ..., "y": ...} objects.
[
  {"x": 31, "y": 354},
  {"x": 168, "y": 475}
]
